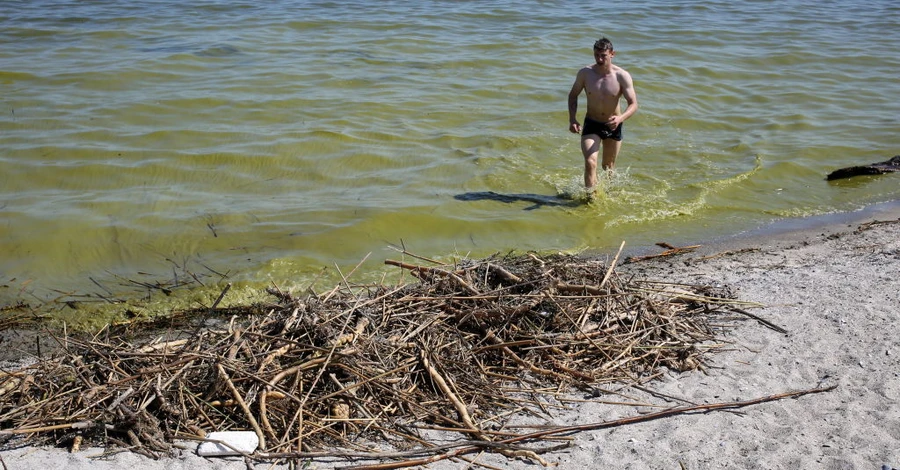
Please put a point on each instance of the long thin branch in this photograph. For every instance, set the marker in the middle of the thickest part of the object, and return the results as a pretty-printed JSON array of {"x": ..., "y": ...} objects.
[
  {"x": 760, "y": 319},
  {"x": 668, "y": 412},
  {"x": 469, "y": 447}
]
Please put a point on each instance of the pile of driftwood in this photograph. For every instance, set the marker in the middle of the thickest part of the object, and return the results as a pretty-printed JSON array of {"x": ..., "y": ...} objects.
[{"x": 374, "y": 370}]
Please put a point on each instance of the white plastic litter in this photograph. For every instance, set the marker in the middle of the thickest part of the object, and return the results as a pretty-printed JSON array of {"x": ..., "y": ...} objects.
[{"x": 238, "y": 442}]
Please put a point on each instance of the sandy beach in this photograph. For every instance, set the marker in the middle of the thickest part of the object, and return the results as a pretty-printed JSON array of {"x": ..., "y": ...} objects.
[{"x": 830, "y": 283}]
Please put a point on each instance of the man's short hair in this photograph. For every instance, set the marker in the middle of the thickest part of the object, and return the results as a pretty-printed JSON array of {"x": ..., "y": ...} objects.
[{"x": 603, "y": 44}]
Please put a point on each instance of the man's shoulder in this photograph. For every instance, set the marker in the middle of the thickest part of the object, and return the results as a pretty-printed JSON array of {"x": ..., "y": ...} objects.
[
  {"x": 621, "y": 73},
  {"x": 583, "y": 74}
]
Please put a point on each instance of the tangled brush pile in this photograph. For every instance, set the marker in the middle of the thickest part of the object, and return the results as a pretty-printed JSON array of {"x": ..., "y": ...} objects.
[{"x": 365, "y": 368}]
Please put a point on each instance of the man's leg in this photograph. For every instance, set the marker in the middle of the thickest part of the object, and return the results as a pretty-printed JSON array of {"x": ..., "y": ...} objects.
[
  {"x": 610, "y": 152},
  {"x": 590, "y": 147}
]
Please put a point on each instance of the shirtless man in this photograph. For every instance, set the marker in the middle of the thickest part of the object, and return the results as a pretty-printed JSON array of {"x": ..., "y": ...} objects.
[{"x": 604, "y": 84}]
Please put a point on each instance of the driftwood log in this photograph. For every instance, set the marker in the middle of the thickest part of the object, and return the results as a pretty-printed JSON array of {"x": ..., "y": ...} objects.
[{"x": 887, "y": 166}]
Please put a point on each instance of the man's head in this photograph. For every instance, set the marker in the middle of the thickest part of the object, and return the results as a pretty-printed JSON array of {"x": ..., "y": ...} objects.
[
  {"x": 603, "y": 45},
  {"x": 603, "y": 51}
]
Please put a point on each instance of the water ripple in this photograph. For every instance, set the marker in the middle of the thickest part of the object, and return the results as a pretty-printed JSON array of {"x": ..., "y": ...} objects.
[{"x": 314, "y": 132}]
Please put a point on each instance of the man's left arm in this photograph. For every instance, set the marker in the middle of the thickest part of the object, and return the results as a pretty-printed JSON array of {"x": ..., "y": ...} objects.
[{"x": 630, "y": 98}]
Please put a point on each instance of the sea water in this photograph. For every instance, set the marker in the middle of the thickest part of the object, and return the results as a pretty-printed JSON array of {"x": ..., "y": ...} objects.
[{"x": 260, "y": 142}]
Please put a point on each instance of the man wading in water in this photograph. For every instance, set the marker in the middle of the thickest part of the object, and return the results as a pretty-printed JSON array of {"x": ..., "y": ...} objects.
[{"x": 604, "y": 84}]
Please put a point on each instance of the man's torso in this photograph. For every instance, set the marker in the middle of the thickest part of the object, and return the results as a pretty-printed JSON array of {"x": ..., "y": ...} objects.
[{"x": 603, "y": 93}]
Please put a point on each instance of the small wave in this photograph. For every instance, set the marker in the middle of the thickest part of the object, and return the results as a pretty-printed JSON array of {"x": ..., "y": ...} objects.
[
  {"x": 9, "y": 76},
  {"x": 222, "y": 50}
]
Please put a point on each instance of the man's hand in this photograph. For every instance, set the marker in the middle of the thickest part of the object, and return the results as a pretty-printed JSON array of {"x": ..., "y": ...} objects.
[
  {"x": 614, "y": 122},
  {"x": 575, "y": 127}
]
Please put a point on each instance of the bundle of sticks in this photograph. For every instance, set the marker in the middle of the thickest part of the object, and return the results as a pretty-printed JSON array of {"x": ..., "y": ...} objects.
[{"x": 364, "y": 368}]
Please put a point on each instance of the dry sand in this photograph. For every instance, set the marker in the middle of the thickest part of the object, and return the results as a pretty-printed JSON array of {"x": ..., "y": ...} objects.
[{"x": 834, "y": 285}]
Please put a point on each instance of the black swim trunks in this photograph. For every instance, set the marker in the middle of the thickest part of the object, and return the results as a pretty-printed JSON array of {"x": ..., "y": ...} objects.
[{"x": 601, "y": 129}]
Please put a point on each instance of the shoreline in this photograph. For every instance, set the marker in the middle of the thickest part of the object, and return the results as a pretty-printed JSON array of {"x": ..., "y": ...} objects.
[
  {"x": 793, "y": 229},
  {"x": 830, "y": 281},
  {"x": 786, "y": 231}
]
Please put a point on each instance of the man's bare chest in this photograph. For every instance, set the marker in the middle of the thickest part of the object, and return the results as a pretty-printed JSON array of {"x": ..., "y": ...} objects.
[{"x": 607, "y": 85}]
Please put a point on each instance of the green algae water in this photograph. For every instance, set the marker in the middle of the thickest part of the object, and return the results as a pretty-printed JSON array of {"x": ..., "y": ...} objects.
[{"x": 263, "y": 141}]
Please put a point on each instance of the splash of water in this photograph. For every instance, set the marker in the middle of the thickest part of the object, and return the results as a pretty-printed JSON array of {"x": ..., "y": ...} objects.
[{"x": 609, "y": 184}]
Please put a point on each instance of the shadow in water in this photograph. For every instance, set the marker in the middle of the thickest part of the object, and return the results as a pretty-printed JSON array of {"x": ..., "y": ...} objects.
[{"x": 537, "y": 200}]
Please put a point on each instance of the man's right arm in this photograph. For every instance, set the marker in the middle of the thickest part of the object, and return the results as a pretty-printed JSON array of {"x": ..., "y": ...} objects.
[{"x": 577, "y": 87}]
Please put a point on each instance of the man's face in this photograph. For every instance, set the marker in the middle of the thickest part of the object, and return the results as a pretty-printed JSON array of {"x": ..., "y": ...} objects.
[{"x": 603, "y": 56}]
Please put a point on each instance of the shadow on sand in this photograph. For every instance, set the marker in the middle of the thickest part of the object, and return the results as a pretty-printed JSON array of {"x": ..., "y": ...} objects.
[{"x": 537, "y": 200}]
